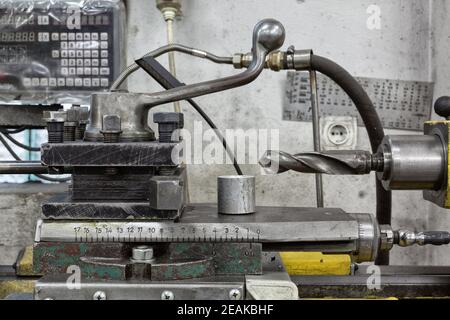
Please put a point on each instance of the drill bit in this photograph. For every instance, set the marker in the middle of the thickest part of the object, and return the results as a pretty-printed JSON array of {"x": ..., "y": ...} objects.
[{"x": 339, "y": 162}]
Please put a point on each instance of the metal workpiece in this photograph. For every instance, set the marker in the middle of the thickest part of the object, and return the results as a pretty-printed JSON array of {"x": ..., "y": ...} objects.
[
  {"x": 111, "y": 128},
  {"x": 406, "y": 238},
  {"x": 369, "y": 239},
  {"x": 55, "y": 125},
  {"x": 168, "y": 123},
  {"x": 268, "y": 35},
  {"x": 413, "y": 162},
  {"x": 236, "y": 194},
  {"x": 335, "y": 162}
]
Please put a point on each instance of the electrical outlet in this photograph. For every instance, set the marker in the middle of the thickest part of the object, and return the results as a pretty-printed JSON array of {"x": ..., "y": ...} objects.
[{"x": 338, "y": 133}]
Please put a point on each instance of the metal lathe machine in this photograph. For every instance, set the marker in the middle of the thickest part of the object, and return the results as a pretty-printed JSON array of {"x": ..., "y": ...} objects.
[{"x": 126, "y": 229}]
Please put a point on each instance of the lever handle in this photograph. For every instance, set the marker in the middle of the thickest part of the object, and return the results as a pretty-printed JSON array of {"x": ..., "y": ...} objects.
[{"x": 268, "y": 35}]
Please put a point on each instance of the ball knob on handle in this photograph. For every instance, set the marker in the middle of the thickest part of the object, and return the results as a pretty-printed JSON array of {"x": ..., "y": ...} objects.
[{"x": 442, "y": 107}]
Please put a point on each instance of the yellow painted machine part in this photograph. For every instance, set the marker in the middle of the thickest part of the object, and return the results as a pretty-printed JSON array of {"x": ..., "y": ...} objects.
[
  {"x": 316, "y": 263},
  {"x": 8, "y": 287},
  {"x": 24, "y": 266},
  {"x": 447, "y": 197}
]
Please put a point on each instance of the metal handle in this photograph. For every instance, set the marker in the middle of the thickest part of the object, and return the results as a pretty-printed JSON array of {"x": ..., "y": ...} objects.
[{"x": 268, "y": 35}]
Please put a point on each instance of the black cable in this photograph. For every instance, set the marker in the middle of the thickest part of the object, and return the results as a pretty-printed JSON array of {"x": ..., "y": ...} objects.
[
  {"x": 19, "y": 144},
  {"x": 373, "y": 126},
  {"x": 168, "y": 81},
  {"x": 15, "y": 156},
  {"x": 14, "y": 131}
]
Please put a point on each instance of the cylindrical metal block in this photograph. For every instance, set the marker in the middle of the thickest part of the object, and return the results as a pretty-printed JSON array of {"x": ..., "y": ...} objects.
[
  {"x": 413, "y": 162},
  {"x": 236, "y": 194}
]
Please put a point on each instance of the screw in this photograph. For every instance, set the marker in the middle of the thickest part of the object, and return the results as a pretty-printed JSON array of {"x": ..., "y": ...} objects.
[
  {"x": 235, "y": 294},
  {"x": 111, "y": 128},
  {"x": 71, "y": 124},
  {"x": 99, "y": 295},
  {"x": 142, "y": 254},
  {"x": 82, "y": 122},
  {"x": 168, "y": 122},
  {"x": 55, "y": 125},
  {"x": 167, "y": 295}
]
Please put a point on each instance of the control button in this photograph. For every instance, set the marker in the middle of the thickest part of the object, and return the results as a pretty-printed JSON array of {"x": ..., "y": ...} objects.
[
  {"x": 72, "y": 54},
  {"x": 79, "y": 36},
  {"x": 44, "y": 82},
  {"x": 104, "y": 54},
  {"x": 94, "y": 45},
  {"x": 52, "y": 82},
  {"x": 71, "y": 36},
  {"x": 64, "y": 71},
  {"x": 79, "y": 45},
  {"x": 87, "y": 71},
  {"x": 86, "y": 82},
  {"x": 80, "y": 71},
  {"x": 55, "y": 36},
  {"x": 43, "y": 37},
  {"x": 35, "y": 82},
  {"x": 69, "y": 82},
  {"x": 95, "y": 62},
  {"x": 104, "y": 82},
  {"x": 79, "y": 53},
  {"x": 95, "y": 82},
  {"x": 104, "y": 62},
  {"x": 72, "y": 62},
  {"x": 104, "y": 44},
  {"x": 87, "y": 62},
  {"x": 64, "y": 62},
  {"x": 87, "y": 53},
  {"x": 95, "y": 71},
  {"x": 55, "y": 53},
  {"x": 87, "y": 36},
  {"x": 72, "y": 71},
  {"x": 78, "y": 82},
  {"x": 64, "y": 45},
  {"x": 94, "y": 53},
  {"x": 94, "y": 36},
  {"x": 61, "y": 82},
  {"x": 104, "y": 71},
  {"x": 79, "y": 62},
  {"x": 27, "y": 82},
  {"x": 43, "y": 20},
  {"x": 104, "y": 36},
  {"x": 72, "y": 45},
  {"x": 64, "y": 53},
  {"x": 63, "y": 36}
]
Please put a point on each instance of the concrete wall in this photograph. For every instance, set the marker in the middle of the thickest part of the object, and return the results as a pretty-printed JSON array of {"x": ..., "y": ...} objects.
[{"x": 403, "y": 48}]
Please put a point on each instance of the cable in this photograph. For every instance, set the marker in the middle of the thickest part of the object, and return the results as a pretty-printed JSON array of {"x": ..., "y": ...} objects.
[
  {"x": 19, "y": 144},
  {"x": 15, "y": 156},
  {"x": 373, "y": 126}
]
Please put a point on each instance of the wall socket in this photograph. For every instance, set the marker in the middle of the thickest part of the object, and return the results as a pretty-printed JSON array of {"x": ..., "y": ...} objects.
[{"x": 338, "y": 132}]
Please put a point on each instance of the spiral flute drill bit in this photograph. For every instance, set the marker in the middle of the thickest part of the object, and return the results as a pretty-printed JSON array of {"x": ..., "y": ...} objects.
[{"x": 339, "y": 162}]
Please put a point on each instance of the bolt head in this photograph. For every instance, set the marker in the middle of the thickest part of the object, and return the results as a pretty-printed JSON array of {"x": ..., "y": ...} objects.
[
  {"x": 235, "y": 294},
  {"x": 99, "y": 295},
  {"x": 168, "y": 117},
  {"x": 55, "y": 116},
  {"x": 142, "y": 253},
  {"x": 111, "y": 124},
  {"x": 167, "y": 295}
]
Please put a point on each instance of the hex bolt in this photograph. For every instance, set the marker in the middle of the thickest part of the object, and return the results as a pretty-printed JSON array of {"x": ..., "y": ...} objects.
[
  {"x": 99, "y": 295},
  {"x": 55, "y": 125},
  {"x": 70, "y": 126},
  {"x": 167, "y": 295},
  {"x": 82, "y": 123},
  {"x": 111, "y": 128},
  {"x": 235, "y": 294},
  {"x": 142, "y": 254},
  {"x": 168, "y": 122}
]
